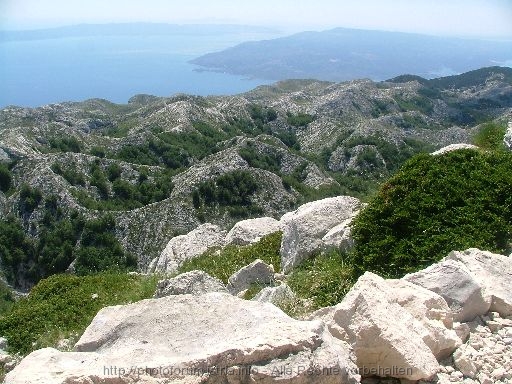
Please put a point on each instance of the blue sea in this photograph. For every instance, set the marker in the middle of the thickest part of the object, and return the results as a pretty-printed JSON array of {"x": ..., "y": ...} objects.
[{"x": 39, "y": 72}]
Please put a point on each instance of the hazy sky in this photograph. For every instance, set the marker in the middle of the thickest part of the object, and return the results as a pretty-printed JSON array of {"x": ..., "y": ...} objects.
[{"x": 486, "y": 18}]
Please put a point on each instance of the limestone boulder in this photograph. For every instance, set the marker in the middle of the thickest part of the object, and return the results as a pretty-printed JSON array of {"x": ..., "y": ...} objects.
[
  {"x": 432, "y": 311},
  {"x": 252, "y": 230},
  {"x": 339, "y": 237},
  {"x": 276, "y": 295},
  {"x": 493, "y": 273},
  {"x": 387, "y": 339},
  {"x": 454, "y": 147},
  {"x": 455, "y": 283},
  {"x": 194, "y": 283},
  {"x": 212, "y": 338},
  {"x": 507, "y": 140},
  {"x": 258, "y": 272},
  {"x": 185, "y": 247},
  {"x": 304, "y": 228}
]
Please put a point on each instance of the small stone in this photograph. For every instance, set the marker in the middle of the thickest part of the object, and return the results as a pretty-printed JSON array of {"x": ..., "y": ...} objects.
[
  {"x": 498, "y": 373},
  {"x": 484, "y": 379},
  {"x": 94, "y": 296},
  {"x": 494, "y": 326},
  {"x": 449, "y": 369}
]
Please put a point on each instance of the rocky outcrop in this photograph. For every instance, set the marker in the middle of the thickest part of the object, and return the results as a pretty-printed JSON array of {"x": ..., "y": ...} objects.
[
  {"x": 387, "y": 339},
  {"x": 455, "y": 283},
  {"x": 252, "y": 230},
  {"x": 453, "y": 147},
  {"x": 432, "y": 311},
  {"x": 304, "y": 228},
  {"x": 185, "y": 247},
  {"x": 486, "y": 358},
  {"x": 339, "y": 237},
  {"x": 194, "y": 283},
  {"x": 211, "y": 338},
  {"x": 507, "y": 140},
  {"x": 276, "y": 295},
  {"x": 258, "y": 272},
  {"x": 493, "y": 273}
]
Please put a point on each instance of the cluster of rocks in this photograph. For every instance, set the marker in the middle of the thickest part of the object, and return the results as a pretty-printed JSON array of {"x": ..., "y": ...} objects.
[
  {"x": 313, "y": 226},
  {"x": 449, "y": 323}
]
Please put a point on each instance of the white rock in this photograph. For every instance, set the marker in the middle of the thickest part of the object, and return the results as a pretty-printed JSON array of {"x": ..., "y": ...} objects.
[
  {"x": 275, "y": 295},
  {"x": 452, "y": 280},
  {"x": 252, "y": 230},
  {"x": 507, "y": 140},
  {"x": 386, "y": 338},
  {"x": 193, "y": 282},
  {"x": 465, "y": 362},
  {"x": 432, "y": 311},
  {"x": 494, "y": 274},
  {"x": 258, "y": 272},
  {"x": 304, "y": 228},
  {"x": 198, "y": 333},
  {"x": 453, "y": 147},
  {"x": 339, "y": 237},
  {"x": 185, "y": 247}
]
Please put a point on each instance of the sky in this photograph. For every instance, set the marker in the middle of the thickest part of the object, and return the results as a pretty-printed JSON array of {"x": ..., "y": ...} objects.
[{"x": 474, "y": 18}]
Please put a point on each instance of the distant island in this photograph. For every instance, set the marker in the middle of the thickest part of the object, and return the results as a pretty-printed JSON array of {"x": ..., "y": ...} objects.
[{"x": 345, "y": 54}]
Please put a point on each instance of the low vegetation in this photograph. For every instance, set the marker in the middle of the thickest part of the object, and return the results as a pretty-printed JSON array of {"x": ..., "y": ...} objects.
[
  {"x": 62, "y": 306},
  {"x": 223, "y": 263}
]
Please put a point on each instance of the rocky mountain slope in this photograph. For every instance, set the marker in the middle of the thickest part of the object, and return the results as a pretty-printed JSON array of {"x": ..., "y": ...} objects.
[{"x": 159, "y": 167}]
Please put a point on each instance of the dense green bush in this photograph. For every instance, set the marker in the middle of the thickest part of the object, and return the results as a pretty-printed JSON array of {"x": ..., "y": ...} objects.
[
  {"x": 231, "y": 191},
  {"x": 100, "y": 250},
  {"x": 268, "y": 161},
  {"x": 62, "y": 306},
  {"x": 66, "y": 144},
  {"x": 433, "y": 205},
  {"x": 29, "y": 198},
  {"x": 300, "y": 119},
  {"x": 16, "y": 249},
  {"x": 5, "y": 177}
]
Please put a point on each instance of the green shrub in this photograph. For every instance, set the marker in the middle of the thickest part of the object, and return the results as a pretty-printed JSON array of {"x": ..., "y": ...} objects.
[
  {"x": 299, "y": 120},
  {"x": 490, "y": 136},
  {"x": 433, "y": 205},
  {"x": 65, "y": 144},
  {"x": 100, "y": 250},
  {"x": 230, "y": 259},
  {"x": 62, "y": 306},
  {"x": 324, "y": 279},
  {"x": 231, "y": 191},
  {"x": 5, "y": 178},
  {"x": 6, "y": 299},
  {"x": 29, "y": 198}
]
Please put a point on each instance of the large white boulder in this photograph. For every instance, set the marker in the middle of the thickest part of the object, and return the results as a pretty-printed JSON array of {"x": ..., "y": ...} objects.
[
  {"x": 432, "y": 311},
  {"x": 494, "y": 274},
  {"x": 453, "y": 147},
  {"x": 455, "y": 283},
  {"x": 258, "y": 272},
  {"x": 252, "y": 230},
  {"x": 507, "y": 140},
  {"x": 387, "y": 339},
  {"x": 185, "y": 247},
  {"x": 193, "y": 282},
  {"x": 304, "y": 228},
  {"x": 339, "y": 237},
  {"x": 211, "y": 338},
  {"x": 276, "y": 295}
]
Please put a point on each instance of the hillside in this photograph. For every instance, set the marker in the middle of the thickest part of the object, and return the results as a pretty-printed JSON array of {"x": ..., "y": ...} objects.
[
  {"x": 345, "y": 54},
  {"x": 143, "y": 172}
]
